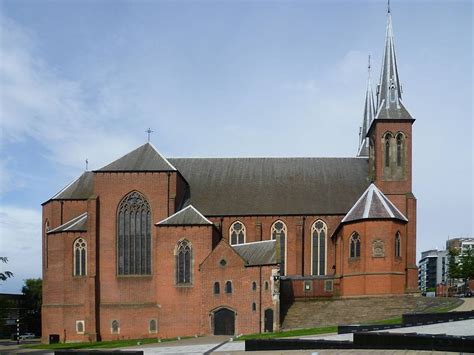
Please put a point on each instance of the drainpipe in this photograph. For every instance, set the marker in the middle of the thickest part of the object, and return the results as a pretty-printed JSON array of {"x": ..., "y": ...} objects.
[
  {"x": 260, "y": 300},
  {"x": 302, "y": 238},
  {"x": 168, "y": 201},
  {"x": 62, "y": 210}
]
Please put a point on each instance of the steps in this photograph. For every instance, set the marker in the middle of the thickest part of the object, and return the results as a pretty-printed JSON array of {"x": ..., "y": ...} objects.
[{"x": 321, "y": 313}]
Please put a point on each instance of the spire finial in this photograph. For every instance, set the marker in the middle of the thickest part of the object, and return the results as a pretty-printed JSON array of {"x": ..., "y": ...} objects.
[
  {"x": 388, "y": 6},
  {"x": 368, "y": 67},
  {"x": 87, "y": 164},
  {"x": 149, "y": 131}
]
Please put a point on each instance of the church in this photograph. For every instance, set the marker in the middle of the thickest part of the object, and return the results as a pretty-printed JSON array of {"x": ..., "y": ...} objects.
[{"x": 150, "y": 246}]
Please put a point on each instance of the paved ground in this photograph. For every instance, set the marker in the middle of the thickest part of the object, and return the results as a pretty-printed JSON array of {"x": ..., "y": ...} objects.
[{"x": 468, "y": 305}]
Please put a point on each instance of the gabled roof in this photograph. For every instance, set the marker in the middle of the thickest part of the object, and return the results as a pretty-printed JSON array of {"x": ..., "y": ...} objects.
[
  {"x": 144, "y": 158},
  {"x": 80, "y": 189},
  {"x": 373, "y": 204},
  {"x": 187, "y": 216},
  {"x": 77, "y": 224},
  {"x": 257, "y": 253},
  {"x": 273, "y": 186}
]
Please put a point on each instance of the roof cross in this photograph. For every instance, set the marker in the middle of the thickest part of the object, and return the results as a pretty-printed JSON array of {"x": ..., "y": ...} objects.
[
  {"x": 149, "y": 131},
  {"x": 87, "y": 164}
]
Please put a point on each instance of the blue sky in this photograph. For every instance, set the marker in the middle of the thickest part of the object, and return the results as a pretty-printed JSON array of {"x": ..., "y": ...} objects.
[{"x": 85, "y": 79}]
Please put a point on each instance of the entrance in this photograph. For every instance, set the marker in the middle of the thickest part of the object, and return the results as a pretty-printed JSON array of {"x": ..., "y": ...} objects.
[
  {"x": 268, "y": 320},
  {"x": 224, "y": 322}
]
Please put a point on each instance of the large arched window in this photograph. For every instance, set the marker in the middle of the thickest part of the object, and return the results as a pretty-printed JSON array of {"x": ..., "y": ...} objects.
[
  {"x": 237, "y": 233},
  {"x": 399, "y": 149},
  {"x": 398, "y": 245},
  {"x": 183, "y": 262},
  {"x": 319, "y": 232},
  {"x": 278, "y": 233},
  {"x": 388, "y": 138},
  {"x": 80, "y": 257},
  {"x": 134, "y": 235},
  {"x": 354, "y": 251}
]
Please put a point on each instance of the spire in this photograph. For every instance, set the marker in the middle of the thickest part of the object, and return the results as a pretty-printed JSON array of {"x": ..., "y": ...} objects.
[
  {"x": 369, "y": 114},
  {"x": 389, "y": 90}
]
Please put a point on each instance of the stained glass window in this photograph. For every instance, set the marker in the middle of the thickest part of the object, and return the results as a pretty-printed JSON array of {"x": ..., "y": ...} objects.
[
  {"x": 237, "y": 233},
  {"x": 318, "y": 243},
  {"x": 183, "y": 262},
  {"x": 80, "y": 257},
  {"x": 355, "y": 246}
]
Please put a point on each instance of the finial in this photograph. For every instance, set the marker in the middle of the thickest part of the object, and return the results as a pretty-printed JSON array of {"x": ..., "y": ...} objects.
[
  {"x": 388, "y": 6},
  {"x": 87, "y": 164},
  {"x": 149, "y": 131},
  {"x": 368, "y": 67}
]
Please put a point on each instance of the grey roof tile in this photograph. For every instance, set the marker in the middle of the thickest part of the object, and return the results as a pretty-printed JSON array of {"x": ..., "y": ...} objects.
[
  {"x": 187, "y": 216},
  {"x": 77, "y": 224},
  {"x": 81, "y": 188},
  {"x": 257, "y": 253}
]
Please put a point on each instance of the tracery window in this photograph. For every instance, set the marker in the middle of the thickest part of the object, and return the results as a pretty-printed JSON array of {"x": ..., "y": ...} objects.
[
  {"x": 399, "y": 149},
  {"x": 183, "y": 262},
  {"x": 80, "y": 257},
  {"x": 115, "y": 327},
  {"x": 237, "y": 233},
  {"x": 398, "y": 245},
  {"x": 319, "y": 232},
  {"x": 388, "y": 137},
  {"x": 354, "y": 246},
  {"x": 278, "y": 233},
  {"x": 217, "y": 288},
  {"x": 134, "y": 235},
  {"x": 228, "y": 287}
]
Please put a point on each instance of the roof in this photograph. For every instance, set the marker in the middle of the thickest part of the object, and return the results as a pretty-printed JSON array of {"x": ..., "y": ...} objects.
[
  {"x": 373, "y": 204},
  {"x": 80, "y": 189},
  {"x": 273, "y": 186},
  {"x": 257, "y": 253},
  {"x": 77, "y": 224},
  {"x": 187, "y": 216},
  {"x": 144, "y": 158}
]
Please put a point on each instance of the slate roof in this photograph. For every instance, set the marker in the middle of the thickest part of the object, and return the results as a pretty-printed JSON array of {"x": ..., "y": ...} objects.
[
  {"x": 77, "y": 224},
  {"x": 187, "y": 216},
  {"x": 257, "y": 253},
  {"x": 144, "y": 158},
  {"x": 80, "y": 189},
  {"x": 273, "y": 186},
  {"x": 373, "y": 204}
]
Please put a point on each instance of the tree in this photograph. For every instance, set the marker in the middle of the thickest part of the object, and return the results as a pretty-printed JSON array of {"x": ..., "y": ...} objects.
[
  {"x": 466, "y": 263},
  {"x": 454, "y": 269},
  {"x": 33, "y": 300},
  {"x": 4, "y": 275}
]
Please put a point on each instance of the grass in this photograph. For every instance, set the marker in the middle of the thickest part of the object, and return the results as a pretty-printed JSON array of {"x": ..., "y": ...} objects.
[
  {"x": 290, "y": 333},
  {"x": 100, "y": 344}
]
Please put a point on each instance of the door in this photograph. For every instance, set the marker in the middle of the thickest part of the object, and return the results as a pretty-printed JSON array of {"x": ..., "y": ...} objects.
[
  {"x": 224, "y": 322},
  {"x": 269, "y": 320}
]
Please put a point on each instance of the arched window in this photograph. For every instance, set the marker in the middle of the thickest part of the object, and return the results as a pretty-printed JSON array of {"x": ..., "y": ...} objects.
[
  {"x": 237, "y": 233},
  {"x": 355, "y": 246},
  {"x": 183, "y": 262},
  {"x": 319, "y": 232},
  {"x": 388, "y": 137},
  {"x": 278, "y": 233},
  {"x": 80, "y": 257},
  {"x": 152, "y": 327},
  {"x": 254, "y": 286},
  {"x": 398, "y": 245},
  {"x": 134, "y": 235},
  {"x": 115, "y": 327},
  {"x": 254, "y": 306},
  {"x": 228, "y": 287},
  {"x": 217, "y": 288},
  {"x": 399, "y": 149},
  {"x": 266, "y": 285}
]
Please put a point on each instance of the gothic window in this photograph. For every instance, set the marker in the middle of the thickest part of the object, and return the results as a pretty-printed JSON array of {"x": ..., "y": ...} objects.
[
  {"x": 399, "y": 149},
  {"x": 237, "y": 233},
  {"x": 183, "y": 262},
  {"x": 318, "y": 247},
  {"x": 266, "y": 285},
  {"x": 388, "y": 137},
  {"x": 398, "y": 245},
  {"x": 217, "y": 288},
  {"x": 134, "y": 235},
  {"x": 80, "y": 257},
  {"x": 115, "y": 327},
  {"x": 228, "y": 287},
  {"x": 80, "y": 325},
  {"x": 278, "y": 233},
  {"x": 355, "y": 246},
  {"x": 152, "y": 327},
  {"x": 254, "y": 286}
]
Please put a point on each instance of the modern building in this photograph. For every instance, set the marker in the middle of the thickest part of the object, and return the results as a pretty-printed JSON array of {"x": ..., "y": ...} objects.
[
  {"x": 149, "y": 246},
  {"x": 432, "y": 269}
]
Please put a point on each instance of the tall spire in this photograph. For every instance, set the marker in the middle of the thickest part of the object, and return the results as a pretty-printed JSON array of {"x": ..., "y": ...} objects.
[
  {"x": 369, "y": 114},
  {"x": 389, "y": 90}
]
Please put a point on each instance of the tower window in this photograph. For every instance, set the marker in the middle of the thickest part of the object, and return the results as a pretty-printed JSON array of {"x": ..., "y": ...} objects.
[
  {"x": 237, "y": 233},
  {"x": 399, "y": 149},
  {"x": 388, "y": 137},
  {"x": 354, "y": 246}
]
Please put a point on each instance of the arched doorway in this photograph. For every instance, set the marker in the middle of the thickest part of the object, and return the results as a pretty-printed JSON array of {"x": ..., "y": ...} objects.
[
  {"x": 268, "y": 320},
  {"x": 224, "y": 322}
]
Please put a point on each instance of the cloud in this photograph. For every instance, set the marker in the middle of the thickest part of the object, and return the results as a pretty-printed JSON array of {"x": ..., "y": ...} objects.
[{"x": 20, "y": 241}]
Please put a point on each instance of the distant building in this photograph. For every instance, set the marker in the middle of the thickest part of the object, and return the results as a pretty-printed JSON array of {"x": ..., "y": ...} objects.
[
  {"x": 460, "y": 244},
  {"x": 432, "y": 269},
  {"x": 11, "y": 308}
]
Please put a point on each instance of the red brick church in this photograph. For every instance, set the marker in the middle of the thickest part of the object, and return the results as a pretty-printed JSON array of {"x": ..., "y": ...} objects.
[{"x": 149, "y": 246}]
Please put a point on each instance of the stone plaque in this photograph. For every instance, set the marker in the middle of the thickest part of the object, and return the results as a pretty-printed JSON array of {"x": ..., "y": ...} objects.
[{"x": 378, "y": 249}]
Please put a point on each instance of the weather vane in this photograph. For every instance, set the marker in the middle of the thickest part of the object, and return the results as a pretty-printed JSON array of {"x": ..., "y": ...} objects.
[{"x": 149, "y": 131}]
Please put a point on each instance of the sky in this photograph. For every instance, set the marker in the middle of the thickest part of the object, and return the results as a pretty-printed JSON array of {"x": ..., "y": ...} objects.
[{"x": 85, "y": 79}]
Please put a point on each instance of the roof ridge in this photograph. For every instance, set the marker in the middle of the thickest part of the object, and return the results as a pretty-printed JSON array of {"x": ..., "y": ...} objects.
[{"x": 72, "y": 223}]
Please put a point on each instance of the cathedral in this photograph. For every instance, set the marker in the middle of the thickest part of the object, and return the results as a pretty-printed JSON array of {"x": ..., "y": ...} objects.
[{"x": 149, "y": 246}]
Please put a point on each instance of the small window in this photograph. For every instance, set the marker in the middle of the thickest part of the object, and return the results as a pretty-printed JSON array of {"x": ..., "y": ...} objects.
[
  {"x": 152, "y": 328},
  {"x": 254, "y": 307},
  {"x": 217, "y": 288},
  {"x": 398, "y": 246},
  {"x": 355, "y": 246},
  {"x": 237, "y": 233},
  {"x": 266, "y": 285},
  {"x": 254, "y": 286},
  {"x": 228, "y": 287},
  {"x": 115, "y": 327},
  {"x": 307, "y": 286},
  {"x": 223, "y": 262},
  {"x": 328, "y": 285},
  {"x": 80, "y": 326},
  {"x": 388, "y": 137}
]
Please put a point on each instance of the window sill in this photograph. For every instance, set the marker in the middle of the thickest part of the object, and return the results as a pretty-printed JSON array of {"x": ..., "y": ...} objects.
[
  {"x": 134, "y": 276},
  {"x": 354, "y": 259},
  {"x": 184, "y": 285}
]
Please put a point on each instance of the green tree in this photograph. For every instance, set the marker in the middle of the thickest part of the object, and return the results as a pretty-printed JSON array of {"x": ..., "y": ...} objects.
[
  {"x": 33, "y": 300},
  {"x": 466, "y": 264},
  {"x": 454, "y": 270},
  {"x": 4, "y": 275}
]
